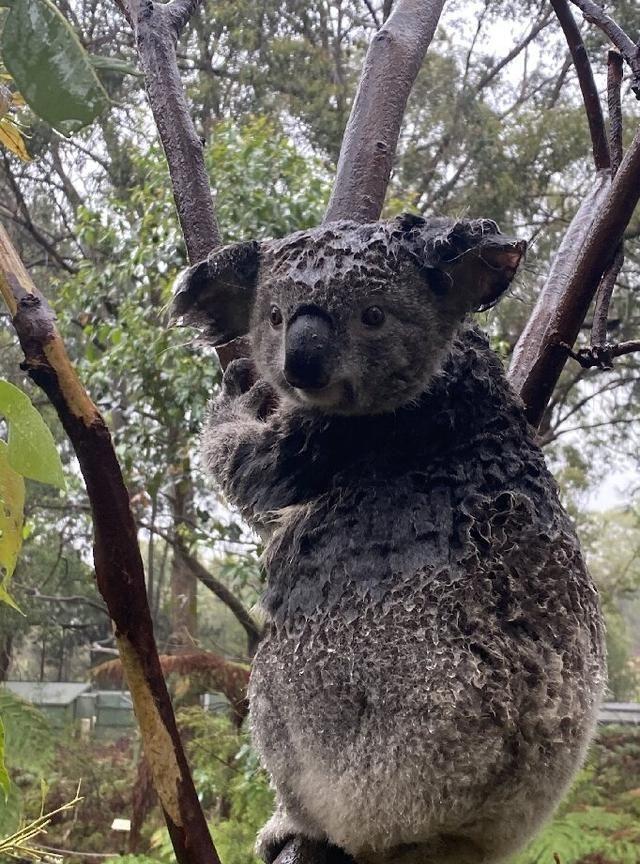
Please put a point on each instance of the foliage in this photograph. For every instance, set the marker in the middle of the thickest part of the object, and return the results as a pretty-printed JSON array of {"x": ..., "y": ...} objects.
[
  {"x": 612, "y": 544},
  {"x": 234, "y": 790},
  {"x": 31, "y": 449},
  {"x": 107, "y": 772},
  {"x": 49, "y": 65},
  {"x": 30, "y": 452},
  {"x": 20, "y": 845},
  {"x": 11, "y": 521},
  {"x": 28, "y": 754},
  {"x": 601, "y": 815},
  {"x": 10, "y": 127},
  {"x": 93, "y": 217}
]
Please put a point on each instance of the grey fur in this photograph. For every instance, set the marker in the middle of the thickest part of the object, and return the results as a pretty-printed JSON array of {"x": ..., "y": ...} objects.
[{"x": 434, "y": 658}]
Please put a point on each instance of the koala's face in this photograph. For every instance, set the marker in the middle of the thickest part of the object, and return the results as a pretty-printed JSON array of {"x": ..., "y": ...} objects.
[{"x": 349, "y": 318}]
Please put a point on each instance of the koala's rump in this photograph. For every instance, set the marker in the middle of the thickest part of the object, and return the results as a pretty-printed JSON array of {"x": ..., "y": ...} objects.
[{"x": 429, "y": 709}]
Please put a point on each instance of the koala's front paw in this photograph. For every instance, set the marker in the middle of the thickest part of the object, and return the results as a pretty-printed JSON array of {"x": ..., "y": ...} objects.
[
  {"x": 274, "y": 836},
  {"x": 239, "y": 376},
  {"x": 245, "y": 393}
]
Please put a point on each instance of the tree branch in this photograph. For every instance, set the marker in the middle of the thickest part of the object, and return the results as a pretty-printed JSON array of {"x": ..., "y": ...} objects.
[
  {"x": 587, "y": 83},
  {"x": 156, "y": 28},
  {"x": 603, "y": 300},
  {"x": 392, "y": 63},
  {"x": 491, "y": 73},
  {"x": 614, "y": 86},
  {"x": 595, "y": 14},
  {"x": 602, "y": 355},
  {"x": 252, "y": 628},
  {"x": 373, "y": 13},
  {"x": 584, "y": 255},
  {"x": 76, "y": 599},
  {"x": 607, "y": 285},
  {"x": 180, "y": 11},
  {"x": 118, "y": 563}
]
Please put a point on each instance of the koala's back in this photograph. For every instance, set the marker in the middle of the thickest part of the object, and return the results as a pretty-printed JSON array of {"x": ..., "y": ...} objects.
[{"x": 435, "y": 638}]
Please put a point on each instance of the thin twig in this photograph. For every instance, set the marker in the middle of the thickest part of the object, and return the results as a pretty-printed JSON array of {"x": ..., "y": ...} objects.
[
  {"x": 75, "y": 599},
  {"x": 601, "y": 356},
  {"x": 595, "y": 14},
  {"x": 373, "y": 13}
]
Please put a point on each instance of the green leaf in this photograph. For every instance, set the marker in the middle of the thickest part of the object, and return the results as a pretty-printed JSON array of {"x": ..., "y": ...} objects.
[
  {"x": 50, "y": 67},
  {"x": 32, "y": 451},
  {"x": 11, "y": 519},
  {"x": 5, "y": 597},
  {"x": 4, "y": 774}
]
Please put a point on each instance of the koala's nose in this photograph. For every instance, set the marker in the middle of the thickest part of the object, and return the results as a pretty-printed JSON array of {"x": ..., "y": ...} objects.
[{"x": 308, "y": 355}]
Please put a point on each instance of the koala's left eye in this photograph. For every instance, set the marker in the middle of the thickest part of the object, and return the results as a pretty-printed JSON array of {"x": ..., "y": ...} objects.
[{"x": 373, "y": 316}]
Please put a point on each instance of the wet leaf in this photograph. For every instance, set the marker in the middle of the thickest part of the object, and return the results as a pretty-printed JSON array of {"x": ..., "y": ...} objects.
[
  {"x": 11, "y": 519},
  {"x": 31, "y": 450},
  {"x": 50, "y": 67},
  {"x": 11, "y": 138}
]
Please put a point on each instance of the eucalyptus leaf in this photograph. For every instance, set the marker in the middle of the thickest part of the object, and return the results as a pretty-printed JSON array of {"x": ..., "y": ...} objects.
[
  {"x": 32, "y": 451},
  {"x": 50, "y": 67},
  {"x": 11, "y": 515}
]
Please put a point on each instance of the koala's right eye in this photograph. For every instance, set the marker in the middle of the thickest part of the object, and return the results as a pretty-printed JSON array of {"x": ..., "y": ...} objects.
[{"x": 275, "y": 316}]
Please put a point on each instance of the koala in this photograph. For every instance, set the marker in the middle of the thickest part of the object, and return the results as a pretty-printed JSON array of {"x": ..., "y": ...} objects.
[{"x": 433, "y": 659}]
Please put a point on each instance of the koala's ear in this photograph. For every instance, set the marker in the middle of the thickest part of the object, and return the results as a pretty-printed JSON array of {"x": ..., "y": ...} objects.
[
  {"x": 217, "y": 294},
  {"x": 470, "y": 262}
]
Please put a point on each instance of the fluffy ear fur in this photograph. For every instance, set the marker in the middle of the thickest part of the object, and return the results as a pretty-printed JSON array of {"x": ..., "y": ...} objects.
[
  {"x": 471, "y": 259},
  {"x": 217, "y": 295}
]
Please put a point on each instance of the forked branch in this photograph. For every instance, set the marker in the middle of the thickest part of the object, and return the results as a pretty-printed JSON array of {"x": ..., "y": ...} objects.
[{"x": 602, "y": 356}]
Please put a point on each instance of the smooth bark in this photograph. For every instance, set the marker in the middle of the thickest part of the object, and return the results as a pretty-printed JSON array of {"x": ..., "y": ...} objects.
[{"x": 390, "y": 68}]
